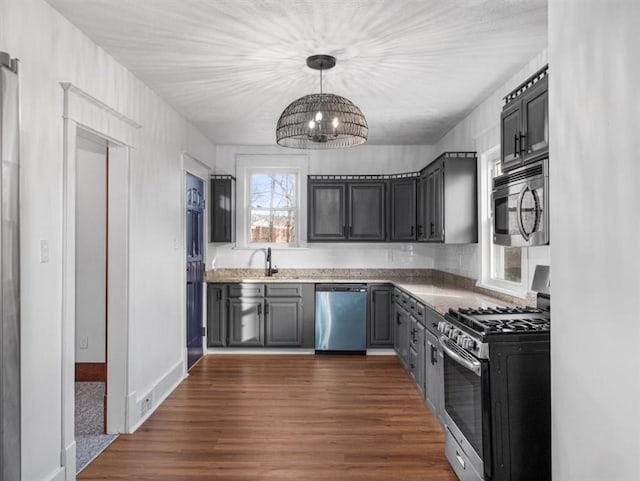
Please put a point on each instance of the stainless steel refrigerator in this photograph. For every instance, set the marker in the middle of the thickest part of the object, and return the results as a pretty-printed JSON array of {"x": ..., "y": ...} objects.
[{"x": 10, "y": 271}]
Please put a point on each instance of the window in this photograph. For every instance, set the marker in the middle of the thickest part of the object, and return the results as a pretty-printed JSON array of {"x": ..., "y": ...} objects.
[
  {"x": 272, "y": 207},
  {"x": 271, "y": 201},
  {"x": 503, "y": 268}
]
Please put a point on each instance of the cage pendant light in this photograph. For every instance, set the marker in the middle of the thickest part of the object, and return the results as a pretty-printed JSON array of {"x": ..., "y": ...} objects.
[{"x": 321, "y": 121}]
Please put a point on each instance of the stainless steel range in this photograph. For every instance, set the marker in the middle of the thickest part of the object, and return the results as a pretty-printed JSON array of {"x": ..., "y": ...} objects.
[{"x": 497, "y": 392}]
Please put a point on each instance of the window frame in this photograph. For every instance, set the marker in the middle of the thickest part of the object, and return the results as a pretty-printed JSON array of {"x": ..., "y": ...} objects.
[
  {"x": 249, "y": 164},
  {"x": 487, "y": 258}
]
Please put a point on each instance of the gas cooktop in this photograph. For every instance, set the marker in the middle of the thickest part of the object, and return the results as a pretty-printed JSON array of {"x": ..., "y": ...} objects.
[
  {"x": 473, "y": 330},
  {"x": 502, "y": 319}
]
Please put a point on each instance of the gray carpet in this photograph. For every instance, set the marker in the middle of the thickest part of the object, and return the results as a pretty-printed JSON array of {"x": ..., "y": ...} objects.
[{"x": 90, "y": 437}]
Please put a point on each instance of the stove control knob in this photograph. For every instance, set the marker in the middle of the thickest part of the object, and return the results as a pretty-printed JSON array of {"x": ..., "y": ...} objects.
[{"x": 441, "y": 326}]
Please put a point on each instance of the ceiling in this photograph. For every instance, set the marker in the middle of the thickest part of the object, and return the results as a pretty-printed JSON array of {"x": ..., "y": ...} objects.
[{"x": 414, "y": 67}]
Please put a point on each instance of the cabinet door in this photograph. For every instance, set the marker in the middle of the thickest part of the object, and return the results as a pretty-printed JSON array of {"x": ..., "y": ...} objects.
[
  {"x": 397, "y": 333},
  {"x": 403, "y": 209},
  {"x": 221, "y": 205},
  {"x": 380, "y": 317},
  {"x": 510, "y": 125},
  {"x": 419, "y": 336},
  {"x": 326, "y": 217},
  {"x": 434, "y": 374},
  {"x": 405, "y": 341},
  {"x": 283, "y": 322},
  {"x": 245, "y": 324},
  {"x": 216, "y": 318},
  {"x": 435, "y": 202},
  {"x": 422, "y": 208},
  {"x": 535, "y": 121},
  {"x": 367, "y": 211}
]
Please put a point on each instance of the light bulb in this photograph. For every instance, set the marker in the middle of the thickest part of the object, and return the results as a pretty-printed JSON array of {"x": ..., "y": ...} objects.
[
  {"x": 318, "y": 116},
  {"x": 312, "y": 124},
  {"x": 335, "y": 123}
]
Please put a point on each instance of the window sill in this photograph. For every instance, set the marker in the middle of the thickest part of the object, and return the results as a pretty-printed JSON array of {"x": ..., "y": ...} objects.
[{"x": 515, "y": 290}]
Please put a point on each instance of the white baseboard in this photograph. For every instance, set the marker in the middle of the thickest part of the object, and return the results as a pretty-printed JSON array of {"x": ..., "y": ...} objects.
[
  {"x": 159, "y": 392},
  {"x": 259, "y": 350},
  {"x": 381, "y": 352},
  {"x": 68, "y": 456},
  {"x": 59, "y": 474}
]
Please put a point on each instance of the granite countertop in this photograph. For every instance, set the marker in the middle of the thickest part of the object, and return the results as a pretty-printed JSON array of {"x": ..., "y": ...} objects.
[{"x": 436, "y": 289}]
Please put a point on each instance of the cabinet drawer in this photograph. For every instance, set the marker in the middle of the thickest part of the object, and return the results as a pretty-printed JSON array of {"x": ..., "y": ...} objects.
[
  {"x": 431, "y": 320},
  {"x": 284, "y": 290},
  {"x": 246, "y": 290}
]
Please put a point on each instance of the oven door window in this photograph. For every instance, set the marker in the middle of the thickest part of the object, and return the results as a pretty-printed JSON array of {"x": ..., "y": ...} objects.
[{"x": 463, "y": 401}]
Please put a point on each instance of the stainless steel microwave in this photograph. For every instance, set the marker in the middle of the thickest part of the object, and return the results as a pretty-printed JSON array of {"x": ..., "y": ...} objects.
[{"x": 521, "y": 206}]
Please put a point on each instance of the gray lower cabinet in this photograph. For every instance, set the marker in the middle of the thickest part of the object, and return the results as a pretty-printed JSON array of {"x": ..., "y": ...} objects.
[
  {"x": 283, "y": 322},
  {"x": 216, "y": 316},
  {"x": 260, "y": 315},
  {"x": 417, "y": 348},
  {"x": 434, "y": 374},
  {"x": 403, "y": 330},
  {"x": 381, "y": 321},
  {"x": 246, "y": 322}
]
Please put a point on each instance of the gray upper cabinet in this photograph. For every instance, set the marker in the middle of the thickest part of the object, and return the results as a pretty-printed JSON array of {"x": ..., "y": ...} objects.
[
  {"x": 246, "y": 322},
  {"x": 402, "y": 208},
  {"x": 448, "y": 206},
  {"x": 381, "y": 322},
  {"x": 283, "y": 322},
  {"x": 524, "y": 122},
  {"x": 216, "y": 316},
  {"x": 221, "y": 208},
  {"x": 367, "y": 211},
  {"x": 326, "y": 211},
  {"x": 434, "y": 228},
  {"x": 421, "y": 208},
  {"x": 346, "y": 211}
]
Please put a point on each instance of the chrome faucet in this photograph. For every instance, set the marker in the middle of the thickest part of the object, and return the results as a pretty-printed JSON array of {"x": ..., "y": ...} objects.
[{"x": 270, "y": 271}]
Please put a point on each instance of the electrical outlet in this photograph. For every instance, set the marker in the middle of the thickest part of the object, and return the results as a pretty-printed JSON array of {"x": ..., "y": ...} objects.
[
  {"x": 44, "y": 251},
  {"x": 146, "y": 403},
  {"x": 84, "y": 342}
]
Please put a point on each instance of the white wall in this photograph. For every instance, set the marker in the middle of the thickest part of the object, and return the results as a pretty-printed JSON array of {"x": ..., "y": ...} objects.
[
  {"x": 480, "y": 131},
  {"x": 91, "y": 250},
  {"x": 51, "y": 50},
  {"x": 366, "y": 159},
  {"x": 594, "y": 121}
]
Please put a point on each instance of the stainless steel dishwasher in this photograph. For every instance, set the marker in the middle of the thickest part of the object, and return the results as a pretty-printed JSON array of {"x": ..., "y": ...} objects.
[{"x": 341, "y": 318}]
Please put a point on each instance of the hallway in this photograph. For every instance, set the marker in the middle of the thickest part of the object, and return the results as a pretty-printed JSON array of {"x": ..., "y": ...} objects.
[{"x": 284, "y": 418}]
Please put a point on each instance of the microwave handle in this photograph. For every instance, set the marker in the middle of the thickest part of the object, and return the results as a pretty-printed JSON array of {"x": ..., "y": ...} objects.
[{"x": 524, "y": 190}]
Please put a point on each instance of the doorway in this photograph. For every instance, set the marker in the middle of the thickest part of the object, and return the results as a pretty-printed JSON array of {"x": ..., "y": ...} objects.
[
  {"x": 194, "y": 219},
  {"x": 91, "y": 309}
]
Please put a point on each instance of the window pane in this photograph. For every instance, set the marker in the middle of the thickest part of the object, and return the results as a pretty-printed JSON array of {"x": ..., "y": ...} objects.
[
  {"x": 273, "y": 226},
  {"x": 273, "y": 190},
  {"x": 507, "y": 262}
]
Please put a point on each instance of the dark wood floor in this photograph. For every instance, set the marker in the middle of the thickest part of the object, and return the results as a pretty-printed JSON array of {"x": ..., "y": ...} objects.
[{"x": 301, "y": 418}]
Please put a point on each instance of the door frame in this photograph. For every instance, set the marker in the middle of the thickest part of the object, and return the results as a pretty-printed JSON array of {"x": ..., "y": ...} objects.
[
  {"x": 84, "y": 112},
  {"x": 195, "y": 167}
]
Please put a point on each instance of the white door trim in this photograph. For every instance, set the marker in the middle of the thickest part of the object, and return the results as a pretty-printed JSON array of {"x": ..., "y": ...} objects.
[{"x": 82, "y": 111}]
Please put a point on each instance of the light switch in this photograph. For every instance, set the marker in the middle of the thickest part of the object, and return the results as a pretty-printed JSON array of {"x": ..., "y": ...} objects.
[
  {"x": 44, "y": 251},
  {"x": 84, "y": 342}
]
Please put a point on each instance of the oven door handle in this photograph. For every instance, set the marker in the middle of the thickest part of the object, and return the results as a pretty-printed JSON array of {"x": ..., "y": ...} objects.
[{"x": 448, "y": 347}]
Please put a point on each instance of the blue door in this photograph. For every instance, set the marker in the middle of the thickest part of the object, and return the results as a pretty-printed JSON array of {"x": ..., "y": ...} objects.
[{"x": 195, "y": 267}]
